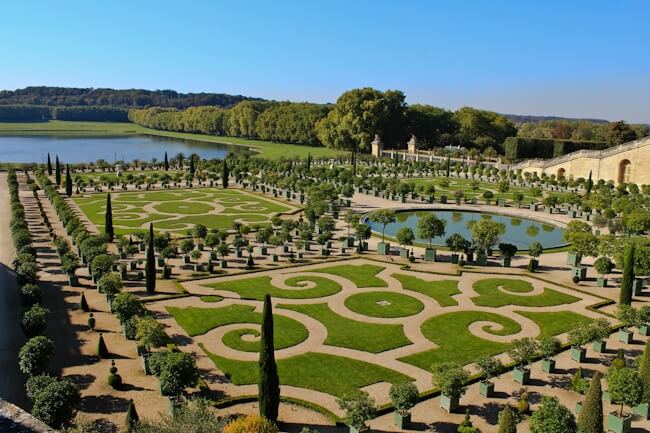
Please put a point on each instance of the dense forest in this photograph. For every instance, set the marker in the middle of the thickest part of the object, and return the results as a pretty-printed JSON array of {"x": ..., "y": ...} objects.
[
  {"x": 70, "y": 96},
  {"x": 41, "y": 113},
  {"x": 582, "y": 130}
]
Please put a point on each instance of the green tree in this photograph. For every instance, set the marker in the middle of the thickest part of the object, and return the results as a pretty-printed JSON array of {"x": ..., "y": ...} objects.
[
  {"x": 508, "y": 421},
  {"x": 166, "y": 163},
  {"x": 195, "y": 416},
  {"x": 359, "y": 114},
  {"x": 102, "y": 350},
  {"x": 404, "y": 396},
  {"x": 405, "y": 236},
  {"x": 49, "y": 165},
  {"x": 450, "y": 378},
  {"x": 57, "y": 172},
  {"x": 644, "y": 372},
  {"x": 68, "y": 181},
  {"x": 225, "y": 173},
  {"x": 625, "y": 387},
  {"x": 108, "y": 219},
  {"x": 57, "y": 402},
  {"x": 359, "y": 407},
  {"x": 590, "y": 419},
  {"x": 269, "y": 382},
  {"x": 552, "y": 417},
  {"x": 126, "y": 306},
  {"x": 430, "y": 227},
  {"x": 150, "y": 333},
  {"x": 383, "y": 217},
  {"x": 150, "y": 265},
  {"x": 132, "y": 417},
  {"x": 486, "y": 233}
]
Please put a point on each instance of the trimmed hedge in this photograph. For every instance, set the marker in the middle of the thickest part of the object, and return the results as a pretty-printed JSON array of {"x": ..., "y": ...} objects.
[{"x": 519, "y": 148}]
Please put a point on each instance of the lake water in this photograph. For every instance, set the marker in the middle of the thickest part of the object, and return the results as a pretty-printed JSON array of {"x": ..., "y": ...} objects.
[
  {"x": 519, "y": 231},
  {"x": 90, "y": 149}
]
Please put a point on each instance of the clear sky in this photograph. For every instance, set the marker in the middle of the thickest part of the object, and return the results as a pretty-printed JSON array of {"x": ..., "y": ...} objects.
[{"x": 573, "y": 58}]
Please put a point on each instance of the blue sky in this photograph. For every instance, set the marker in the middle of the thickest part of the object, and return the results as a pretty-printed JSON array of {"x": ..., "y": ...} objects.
[{"x": 570, "y": 58}]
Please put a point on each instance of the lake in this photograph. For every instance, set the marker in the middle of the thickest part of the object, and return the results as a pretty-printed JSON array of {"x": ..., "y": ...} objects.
[
  {"x": 518, "y": 231},
  {"x": 90, "y": 149}
]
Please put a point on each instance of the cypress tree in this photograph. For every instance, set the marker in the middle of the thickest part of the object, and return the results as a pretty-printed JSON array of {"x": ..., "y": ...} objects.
[
  {"x": 102, "y": 350},
  {"x": 309, "y": 161},
  {"x": 68, "y": 181},
  {"x": 590, "y": 419},
  {"x": 49, "y": 165},
  {"x": 628, "y": 275},
  {"x": 644, "y": 373},
  {"x": 508, "y": 422},
  {"x": 192, "y": 169},
  {"x": 57, "y": 171},
  {"x": 590, "y": 184},
  {"x": 269, "y": 382},
  {"x": 150, "y": 267},
  {"x": 166, "y": 163},
  {"x": 132, "y": 417},
  {"x": 354, "y": 162},
  {"x": 448, "y": 166},
  {"x": 108, "y": 220},
  {"x": 225, "y": 173}
]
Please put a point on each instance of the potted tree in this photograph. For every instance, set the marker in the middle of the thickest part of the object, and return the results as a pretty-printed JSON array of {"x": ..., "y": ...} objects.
[
  {"x": 450, "y": 379},
  {"x": 359, "y": 408},
  {"x": 523, "y": 351},
  {"x": 456, "y": 243},
  {"x": 485, "y": 233},
  {"x": 69, "y": 264},
  {"x": 644, "y": 320},
  {"x": 603, "y": 265},
  {"x": 625, "y": 388},
  {"x": 598, "y": 332},
  {"x": 489, "y": 368},
  {"x": 535, "y": 250},
  {"x": 404, "y": 396},
  {"x": 405, "y": 237},
  {"x": 508, "y": 251},
  {"x": 430, "y": 227},
  {"x": 352, "y": 219},
  {"x": 548, "y": 347},
  {"x": 629, "y": 317},
  {"x": 383, "y": 217}
]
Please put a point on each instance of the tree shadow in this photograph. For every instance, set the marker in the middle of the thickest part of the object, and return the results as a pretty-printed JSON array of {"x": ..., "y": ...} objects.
[
  {"x": 83, "y": 381},
  {"x": 444, "y": 427},
  {"x": 107, "y": 404}
]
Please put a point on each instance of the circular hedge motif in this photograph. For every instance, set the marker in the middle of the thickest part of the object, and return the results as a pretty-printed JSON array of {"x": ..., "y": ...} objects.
[
  {"x": 287, "y": 332},
  {"x": 384, "y": 304},
  {"x": 183, "y": 207}
]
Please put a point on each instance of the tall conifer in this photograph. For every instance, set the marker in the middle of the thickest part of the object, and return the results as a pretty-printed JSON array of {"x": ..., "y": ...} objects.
[
  {"x": 269, "y": 382},
  {"x": 150, "y": 266},
  {"x": 590, "y": 419},
  {"x": 68, "y": 181},
  {"x": 108, "y": 220},
  {"x": 628, "y": 275}
]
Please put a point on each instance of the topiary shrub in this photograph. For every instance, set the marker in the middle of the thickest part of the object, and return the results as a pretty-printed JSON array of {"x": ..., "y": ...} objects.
[
  {"x": 575, "y": 279},
  {"x": 130, "y": 329},
  {"x": 30, "y": 294},
  {"x": 578, "y": 383},
  {"x": 34, "y": 320},
  {"x": 132, "y": 417},
  {"x": 114, "y": 379},
  {"x": 522, "y": 404},
  {"x": 83, "y": 304},
  {"x": 91, "y": 322},
  {"x": 56, "y": 403},
  {"x": 35, "y": 355}
]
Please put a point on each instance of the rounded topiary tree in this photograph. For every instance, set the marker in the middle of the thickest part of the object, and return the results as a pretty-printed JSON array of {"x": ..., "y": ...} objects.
[
  {"x": 404, "y": 396},
  {"x": 604, "y": 266},
  {"x": 57, "y": 402},
  {"x": 114, "y": 379},
  {"x": 34, "y": 320},
  {"x": 552, "y": 416},
  {"x": 625, "y": 388},
  {"x": 35, "y": 355},
  {"x": 450, "y": 378}
]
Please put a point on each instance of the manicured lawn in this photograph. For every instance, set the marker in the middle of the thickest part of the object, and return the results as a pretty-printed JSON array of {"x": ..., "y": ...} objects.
[
  {"x": 384, "y": 304},
  {"x": 491, "y": 296},
  {"x": 198, "y": 321},
  {"x": 258, "y": 287},
  {"x": 360, "y": 275},
  {"x": 179, "y": 210},
  {"x": 555, "y": 322},
  {"x": 266, "y": 149},
  {"x": 450, "y": 332},
  {"x": 344, "y": 332},
  {"x": 334, "y": 375},
  {"x": 442, "y": 291},
  {"x": 211, "y": 298}
]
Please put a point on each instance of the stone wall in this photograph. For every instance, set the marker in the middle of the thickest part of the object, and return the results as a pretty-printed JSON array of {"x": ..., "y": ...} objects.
[{"x": 15, "y": 420}]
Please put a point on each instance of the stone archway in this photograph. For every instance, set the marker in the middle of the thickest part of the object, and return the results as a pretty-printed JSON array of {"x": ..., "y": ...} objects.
[
  {"x": 624, "y": 171},
  {"x": 561, "y": 173}
]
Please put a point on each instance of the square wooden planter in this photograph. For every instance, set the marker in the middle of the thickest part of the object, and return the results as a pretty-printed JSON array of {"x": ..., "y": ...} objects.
[
  {"x": 383, "y": 248},
  {"x": 601, "y": 282},
  {"x": 548, "y": 365},
  {"x": 644, "y": 330},
  {"x": 579, "y": 271},
  {"x": 404, "y": 253},
  {"x": 506, "y": 261},
  {"x": 402, "y": 421},
  {"x": 573, "y": 259},
  {"x": 449, "y": 404},
  {"x": 616, "y": 424},
  {"x": 599, "y": 346},
  {"x": 485, "y": 388},
  {"x": 643, "y": 410},
  {"x": 625, "y": 336},
  {"x": 637, "y": 286},
  {"x": 521, "y": 375},
  {"x": 430, "y": 255},
  {"x": 481, "y": 259},
  {"x": 578, "y": 354}
]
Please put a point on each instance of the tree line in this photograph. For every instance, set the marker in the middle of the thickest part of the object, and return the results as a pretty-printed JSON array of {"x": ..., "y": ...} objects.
[
  {"x": 350, "y": 124},
  {"x": 613, "y": 133},
  {"x": 42, "y": 113},
  {"x": 71, "y": 96}
]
